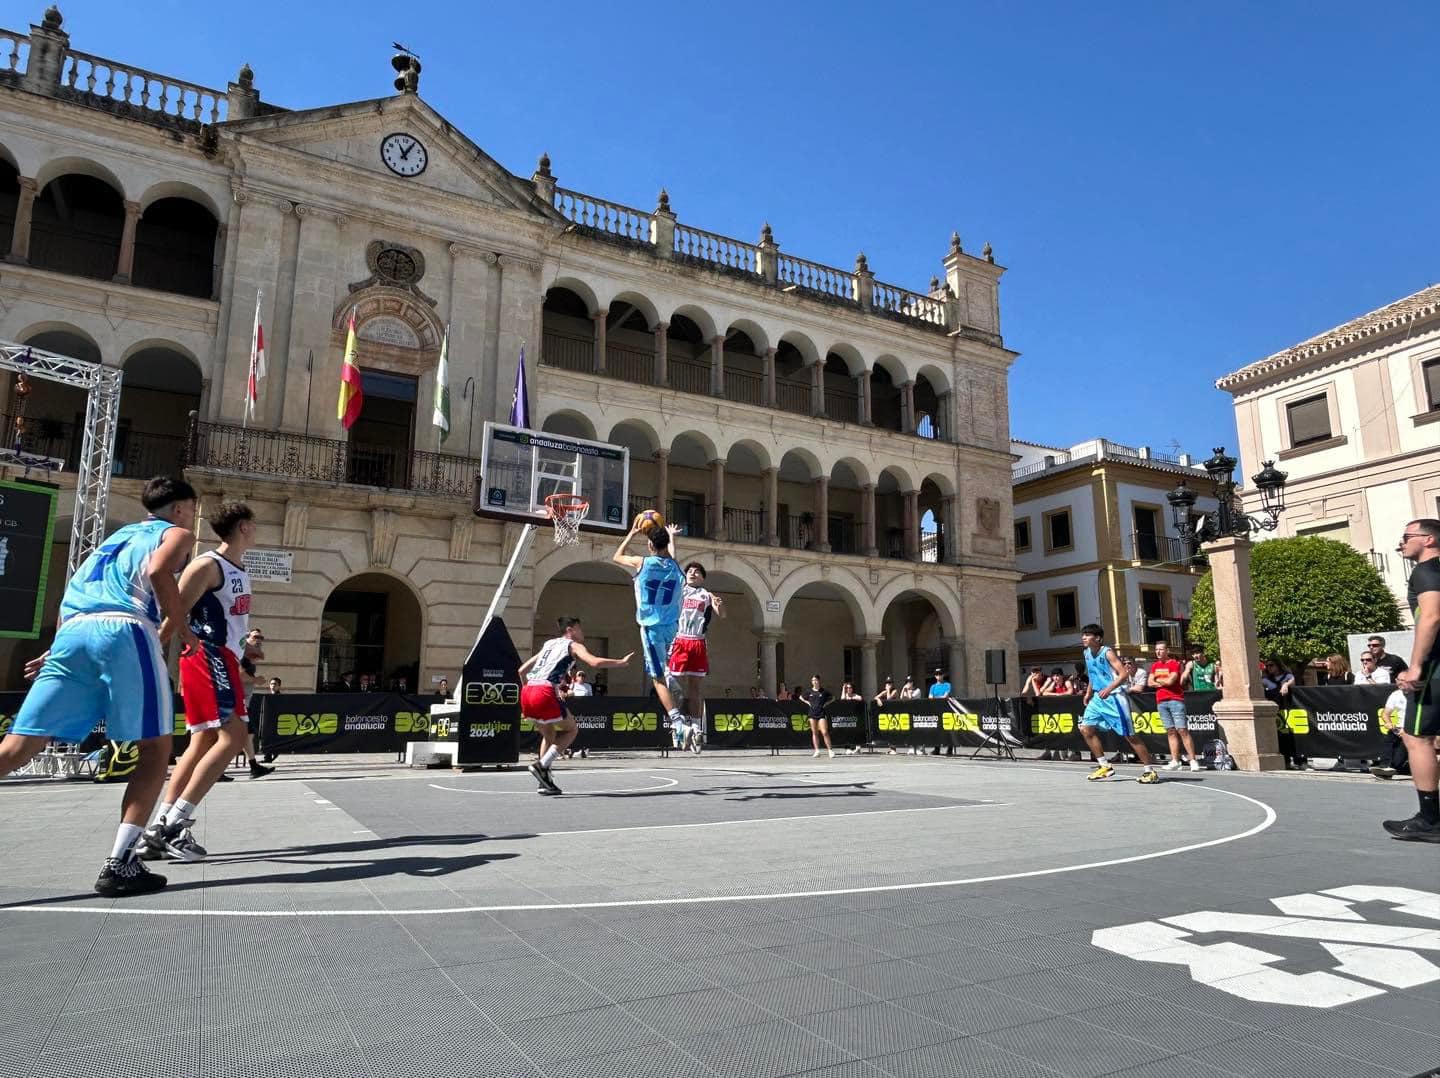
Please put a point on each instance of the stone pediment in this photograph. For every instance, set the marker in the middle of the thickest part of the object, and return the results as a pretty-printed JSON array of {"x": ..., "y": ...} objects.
[{"x": 354, "y": 136}]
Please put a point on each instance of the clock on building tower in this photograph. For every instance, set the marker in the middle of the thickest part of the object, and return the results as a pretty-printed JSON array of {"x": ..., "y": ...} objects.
[{"x": 404, "y": 154}]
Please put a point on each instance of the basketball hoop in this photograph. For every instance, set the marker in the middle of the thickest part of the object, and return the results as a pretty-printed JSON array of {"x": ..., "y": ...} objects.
[{"x": 567, "y": 511}]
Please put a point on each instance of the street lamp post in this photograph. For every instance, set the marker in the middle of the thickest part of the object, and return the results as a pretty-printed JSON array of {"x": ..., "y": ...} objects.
[{"x": 1248, "y": 719}]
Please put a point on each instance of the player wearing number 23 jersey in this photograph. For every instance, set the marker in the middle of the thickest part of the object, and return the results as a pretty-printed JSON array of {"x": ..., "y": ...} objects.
[{"x": 659, "y": 592}]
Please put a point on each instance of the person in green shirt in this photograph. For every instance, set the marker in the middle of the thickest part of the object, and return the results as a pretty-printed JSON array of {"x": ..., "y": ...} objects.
[{"x": 1202, "y": 676}]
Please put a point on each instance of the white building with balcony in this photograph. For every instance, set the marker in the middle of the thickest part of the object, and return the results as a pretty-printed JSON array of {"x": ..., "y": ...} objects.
[
  {"x": 1353, "y": 417},
  {"x": 1095, "y": 541},
  {"x": 836, "y": 447}
]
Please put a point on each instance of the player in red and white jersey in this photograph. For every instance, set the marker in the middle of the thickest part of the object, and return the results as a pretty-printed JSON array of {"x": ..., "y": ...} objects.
[
  {"x": 540, "y": 699},
  {"x": 689, "y": 659},
  {"x": 216, "y": 590}
]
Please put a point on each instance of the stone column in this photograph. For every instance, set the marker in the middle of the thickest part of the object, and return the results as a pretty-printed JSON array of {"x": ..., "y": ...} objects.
[
  {"x": 599, "y": 318},
  {"x": 862, "y": 381},
  {"x": 944, "y": 421},
  {"x": 817, "y": 389},
  {"x": 24, "y": 213},
  {"x": 717, "y": 499},
  {"x": 1247, "y": 717},
  {"x": 772, "y": 505},
  {"x": 770, "y": 378},
  {"x": 662, "y": 480},
  {"x": 907, "y": 407},
  {"x": 867, "y": 506},
  {"x": 954, "y": 649},
  {"x": 126, "y": 262},
  {"x": 717, "y": 365},
  {"x": 912, "y": 525},
  {"x": 217, "y": 266},
  {"x": 869, "y": 679},
  {"x": 769, "y": 672},
  {"x": 662, "y": 354},
  {"x": 950, "y": 529},
  {"x": 822, "y": 514}
]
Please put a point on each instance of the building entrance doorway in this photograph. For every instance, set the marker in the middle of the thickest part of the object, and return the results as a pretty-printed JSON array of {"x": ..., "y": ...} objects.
[{"x": 371, "y": 626}]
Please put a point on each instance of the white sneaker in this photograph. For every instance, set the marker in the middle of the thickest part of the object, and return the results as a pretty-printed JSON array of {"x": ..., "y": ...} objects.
[
  {"x": 1194, "y": 765},
  {"x": 1173, "y": 765},
  {"x": 815, "y": 755},
  {"x": 831, "y": 752}
]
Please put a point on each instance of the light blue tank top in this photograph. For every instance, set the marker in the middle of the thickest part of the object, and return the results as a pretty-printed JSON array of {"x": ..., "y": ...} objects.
[
  {"x": 114, "y": 579},
  {"x": 659, "y": 591},
  {"x": 1097, "y": 669}
]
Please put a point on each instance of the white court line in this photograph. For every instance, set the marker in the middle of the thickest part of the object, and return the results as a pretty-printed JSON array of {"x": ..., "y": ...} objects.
[
  {"x": 666, "y": 783},
  {"x": 119, "y": 909},
  {"x": 761, "y": 819}
]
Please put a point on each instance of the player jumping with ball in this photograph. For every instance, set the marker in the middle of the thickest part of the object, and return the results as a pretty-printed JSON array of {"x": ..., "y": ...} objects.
[{"x": 659, "y": 592}]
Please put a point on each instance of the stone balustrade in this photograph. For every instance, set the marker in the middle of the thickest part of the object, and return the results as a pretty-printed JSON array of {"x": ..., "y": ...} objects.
[
  {"x": 602, "y": 217},
  {"x": 910, "y": 306},
  {"x": 14, "y": 51},
  {"x": 817, "y": 279},
  {"x": 711, "y": 249},
  {"x": 94, "y": 76}
]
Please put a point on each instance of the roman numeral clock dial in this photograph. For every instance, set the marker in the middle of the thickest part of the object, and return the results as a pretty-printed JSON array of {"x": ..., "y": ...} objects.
[{"x": 404, "y": 154}]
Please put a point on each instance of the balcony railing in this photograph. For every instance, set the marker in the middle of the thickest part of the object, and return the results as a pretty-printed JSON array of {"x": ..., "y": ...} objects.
[
  {"x": 817, "y": 279},
  {"x": 792, "y": 397},
  {"x": 841, "y": 406},
  {"x": 688, "y": 376},
  {"x": 710, "y": 249},
  {"x": 745, "y": 387},
  {"x": 145, "y": 93},
  {"x": 1163, "y": 550},
  {"x": 606, "y": 218}
]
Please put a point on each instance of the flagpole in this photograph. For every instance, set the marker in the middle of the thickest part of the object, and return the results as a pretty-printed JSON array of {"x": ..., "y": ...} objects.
[{"x": 309, "y": 385}]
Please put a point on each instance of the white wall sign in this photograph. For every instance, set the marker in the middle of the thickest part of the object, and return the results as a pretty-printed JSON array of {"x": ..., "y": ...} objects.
[
  {"x": 772, "y": 605},
  {"x": 271, "y": 565},
  {"x": 1366, "y": 951}
]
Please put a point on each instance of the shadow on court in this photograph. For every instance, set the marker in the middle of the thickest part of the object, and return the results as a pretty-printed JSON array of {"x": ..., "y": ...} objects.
[
  {"x": 754, "y": 793},
  {"x": 279, "y": 853}
]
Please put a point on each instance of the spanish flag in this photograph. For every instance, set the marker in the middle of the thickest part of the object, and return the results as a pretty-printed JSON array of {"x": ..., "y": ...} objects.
[{"x": 351, "y": 395}]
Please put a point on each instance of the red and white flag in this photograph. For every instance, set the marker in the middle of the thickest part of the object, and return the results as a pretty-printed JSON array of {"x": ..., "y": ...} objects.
[{"x": 257, "y": 364}]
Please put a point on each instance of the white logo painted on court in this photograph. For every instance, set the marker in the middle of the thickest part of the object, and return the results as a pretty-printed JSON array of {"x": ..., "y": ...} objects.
[{"x": 1367, "y": 953}]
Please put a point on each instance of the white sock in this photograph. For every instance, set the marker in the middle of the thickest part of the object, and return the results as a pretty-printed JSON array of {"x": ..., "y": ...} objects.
[
  {"x": 182, "y": 810},
  {"x": 124, "y": 839},
  {"x": 549, "y": 758},
  {"x": 165, "y": 807}
]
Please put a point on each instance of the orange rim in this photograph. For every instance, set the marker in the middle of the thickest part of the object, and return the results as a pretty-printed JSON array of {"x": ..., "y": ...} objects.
[{"x": 566, "y": 506}]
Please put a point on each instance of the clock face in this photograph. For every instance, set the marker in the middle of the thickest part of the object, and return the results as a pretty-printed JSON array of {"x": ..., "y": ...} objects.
[{"x": 404, "y": 154}]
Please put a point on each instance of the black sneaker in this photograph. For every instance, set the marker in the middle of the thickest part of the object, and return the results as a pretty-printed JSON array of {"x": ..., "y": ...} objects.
[
  {"x": 128, "y": 877},
  {"x": 544, "y": 778},
  {"x": 258, "y": 771},
  {"x": 1415, "y": 829}
]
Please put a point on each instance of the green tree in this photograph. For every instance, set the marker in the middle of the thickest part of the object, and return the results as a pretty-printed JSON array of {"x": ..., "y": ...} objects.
[{"x": 1309, "y": 593}]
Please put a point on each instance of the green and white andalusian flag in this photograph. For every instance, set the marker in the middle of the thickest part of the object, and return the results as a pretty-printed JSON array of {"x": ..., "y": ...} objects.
[{"x": 441, "y": 416}]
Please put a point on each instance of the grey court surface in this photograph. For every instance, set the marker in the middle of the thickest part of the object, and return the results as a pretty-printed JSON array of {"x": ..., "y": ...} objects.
[{"x": 734, "y": 914}]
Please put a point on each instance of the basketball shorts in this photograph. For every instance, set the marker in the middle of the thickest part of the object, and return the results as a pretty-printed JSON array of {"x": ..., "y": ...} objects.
[
  {"x": 1109, "y": 713},
  {"x": 101, "y": 667},
  {"x": 540, "y": 702},
  {"x": 212, "y": 687},
  {"x": 1422, "y": 708},
  {"x": 656, "y": 641},
  {"x": 688, "y": 657}
]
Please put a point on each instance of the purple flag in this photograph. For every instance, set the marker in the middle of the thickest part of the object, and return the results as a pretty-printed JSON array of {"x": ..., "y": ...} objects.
[{"x": 520, "y": 402}]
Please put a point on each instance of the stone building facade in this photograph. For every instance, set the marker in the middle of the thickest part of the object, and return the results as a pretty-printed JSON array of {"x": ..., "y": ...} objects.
[
  {"x": 1352, "y": 416},
  {"x": 837, "y": 448}
]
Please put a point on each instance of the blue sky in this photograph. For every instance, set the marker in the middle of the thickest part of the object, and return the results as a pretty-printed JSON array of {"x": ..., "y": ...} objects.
[{"x": 1176, "y": 189}]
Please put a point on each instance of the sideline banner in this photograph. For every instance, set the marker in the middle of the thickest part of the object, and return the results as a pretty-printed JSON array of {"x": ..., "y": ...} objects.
[
  {"x": 779, "y": 724},
  {"x": 1053, "y": 722},
  {"x": 928, "y": 723},
  {"x": 1338, "y": 720},
  {"x": 341, "y": 721}
]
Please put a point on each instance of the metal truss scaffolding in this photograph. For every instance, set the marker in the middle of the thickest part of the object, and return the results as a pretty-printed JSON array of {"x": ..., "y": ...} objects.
[{"x": 97, "y": 450}]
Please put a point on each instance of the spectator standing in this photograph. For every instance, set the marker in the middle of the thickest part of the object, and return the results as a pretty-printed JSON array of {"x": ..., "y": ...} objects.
[
  {"x": 1166, "y": 677},
  {"x": 909, "y": 690},
  {"x": 1420, "y": 681},
  {"x": 847, "y": 692},
  {"x": 1392, "y": 663},
  {"x": 1137, "y": 676},
  {"x": 1336, "y": 671},
  {"x": 1395, "y": 760},
  {"x": 887, "y": 692},
  {"x": 580, "y": 684},
  {"x": 1201, "y": 674},
  {"x": 1371, "y": 674},
  {"x": 1278, "y": 682},
  {"x": 1035, "y": 683},
  {"x": 275, "y": 686},
  {"x": 940, "y": 690},
  {"x": 816, "y": 700},
  {"x": 443, "y": 686}
]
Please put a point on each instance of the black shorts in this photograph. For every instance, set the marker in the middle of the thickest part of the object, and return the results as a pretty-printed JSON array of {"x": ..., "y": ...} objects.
[{"x": 1422, "y": 708}]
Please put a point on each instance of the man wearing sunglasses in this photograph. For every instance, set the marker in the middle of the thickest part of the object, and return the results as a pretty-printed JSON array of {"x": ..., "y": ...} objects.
[{"x": 1420, "y": 682}]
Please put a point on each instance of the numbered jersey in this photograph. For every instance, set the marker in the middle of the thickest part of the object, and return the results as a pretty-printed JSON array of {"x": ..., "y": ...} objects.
[
  {"x": 659, "y": 589},
  {"x": 115, "y": 578},
  {"x": 552, "y": 664},
  {"x": 696, "y": 610},
  {"x": 1098, "y": 669},
  {"x": 222, "y": 615}
]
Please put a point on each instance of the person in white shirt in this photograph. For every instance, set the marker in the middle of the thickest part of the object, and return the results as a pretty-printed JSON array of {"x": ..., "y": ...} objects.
[
  {"x": 580, "y": 684},
  {"x": 909, "y": 691},
  {"x": 1371, "y": 673}
]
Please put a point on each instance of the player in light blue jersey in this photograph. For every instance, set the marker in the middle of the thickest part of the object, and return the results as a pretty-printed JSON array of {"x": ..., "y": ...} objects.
[
  {"x": 107, "y": 663},
  {"x": 659, "y": 592},
  {"x": 1107, "y": 705}
]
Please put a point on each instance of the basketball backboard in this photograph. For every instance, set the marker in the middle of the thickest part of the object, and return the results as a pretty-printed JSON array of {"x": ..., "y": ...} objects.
[{"x": 519, "y": 468}]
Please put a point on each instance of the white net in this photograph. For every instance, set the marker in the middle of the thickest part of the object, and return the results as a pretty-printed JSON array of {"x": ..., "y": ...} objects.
[{"x": 566, "y": 513}]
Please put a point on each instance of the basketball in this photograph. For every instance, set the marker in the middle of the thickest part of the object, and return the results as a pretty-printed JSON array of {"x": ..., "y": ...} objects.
[{"x": 649, "y": 520}]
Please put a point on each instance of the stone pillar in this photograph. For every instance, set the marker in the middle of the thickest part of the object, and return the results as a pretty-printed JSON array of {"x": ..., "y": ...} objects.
[
  {"x": 822, "y": 514},
  {"x": 944, "y": 424},
  {"x": 126, "y": 262},
  {"x": 768, "y": 259},
  {"x": 912, "y": 525},
  {"x": 817, "y": 389},
  {"x": 1247, "y": 717},
  {"x": 869, "y": 679},
  {"x": 662, "y": 227},
  {"x": 954, "y": 649},
  {"x": 24, "y": 214},
  {"x": 769, "y": 666},
  {"x": 717, "y": 365},
  {"x": 717, "y": 499},
  {"x": 950, "y": 529},
  {"x": 217, "y": 266},
  {"x": 862, "y": 381},
  {"x": 770, "y": 378},
  {"x": 662, "y": 480},
  {"x": 662, "y": 354},
  {"x": 867, "y": 506},
  {"x": 544, "y": 181},
  {"x": 907, "y": 407},
  {"x": 242, "y": 100},
  {"x": 772, "y": 506},
  {"x": 48, "y": 43},
  {"x": 864, "y": 283},
  {"x": 599, "y": 318}
]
